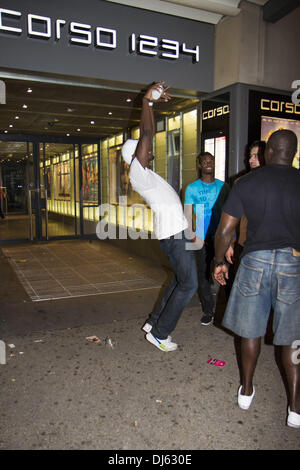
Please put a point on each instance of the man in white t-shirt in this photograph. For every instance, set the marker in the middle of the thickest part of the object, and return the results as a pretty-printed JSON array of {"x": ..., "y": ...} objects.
[{"x": 169, "y": 226}]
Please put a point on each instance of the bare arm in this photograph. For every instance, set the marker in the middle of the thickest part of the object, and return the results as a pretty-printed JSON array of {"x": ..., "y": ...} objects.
[
  {"x": 147, "y": 126},
  {"x": 223, "y": 238}
]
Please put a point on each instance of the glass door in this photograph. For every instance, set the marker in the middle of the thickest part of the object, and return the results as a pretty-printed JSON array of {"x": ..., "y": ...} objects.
[
  {"x": 48, "y": 190},
  {"x": 58, "y": 186},
  {"x": 17, "y": 191},
  {"x": 89, "y": 196}
]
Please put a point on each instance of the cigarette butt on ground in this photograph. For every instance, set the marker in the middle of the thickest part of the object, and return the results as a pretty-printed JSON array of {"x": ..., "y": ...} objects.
[{"x": 93, "y": 339}]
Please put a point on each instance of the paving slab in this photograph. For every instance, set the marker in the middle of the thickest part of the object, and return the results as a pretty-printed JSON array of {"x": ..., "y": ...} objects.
[{"x": 60, "y": 391}]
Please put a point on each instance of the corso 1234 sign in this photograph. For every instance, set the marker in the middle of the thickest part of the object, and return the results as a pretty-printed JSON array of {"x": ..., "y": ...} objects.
[{"x": 44, "y": 27}]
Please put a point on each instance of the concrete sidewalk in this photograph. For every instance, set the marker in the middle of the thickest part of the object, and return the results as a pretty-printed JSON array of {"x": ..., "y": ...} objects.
[{"x": 60, "y": 391}]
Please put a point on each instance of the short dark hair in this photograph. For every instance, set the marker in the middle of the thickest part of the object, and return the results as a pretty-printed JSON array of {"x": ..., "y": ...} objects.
[{"x": 204, "y": 154}]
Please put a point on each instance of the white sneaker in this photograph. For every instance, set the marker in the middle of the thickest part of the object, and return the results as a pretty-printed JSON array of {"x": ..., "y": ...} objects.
[
  {"x": 147, "y": 327},
  {"x": 165, "y": 345},
  {"x": 293, "y": 419},
  {"x": 244, "y": 401}
]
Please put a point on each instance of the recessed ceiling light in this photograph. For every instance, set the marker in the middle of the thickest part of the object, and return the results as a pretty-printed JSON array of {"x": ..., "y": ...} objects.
[
  {"x": 5, "y": 132},
  {"x": 25, "y": 106},
  {"x": 29, "y": 90},
  {"x": 128, "y": 100},
  {"x": 92, "y": 122},
  {"x": 68, "y": 135},
  {"x": 78, "y": 130},
  {"x": 17, "y": 117},
  {"x": 110, "y": 113},
  {"x": 11, "y": 125}
]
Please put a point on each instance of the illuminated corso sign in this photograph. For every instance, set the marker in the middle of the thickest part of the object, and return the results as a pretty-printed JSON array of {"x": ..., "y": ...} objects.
[
  {"x": 216, "y": 112},
  {"x": 279, "y": 106},
  {"x": 105, "y": 38}
]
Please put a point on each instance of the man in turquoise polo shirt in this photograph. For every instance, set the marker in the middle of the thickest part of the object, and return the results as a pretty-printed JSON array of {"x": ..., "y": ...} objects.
[{"x": 206, "y": 197}]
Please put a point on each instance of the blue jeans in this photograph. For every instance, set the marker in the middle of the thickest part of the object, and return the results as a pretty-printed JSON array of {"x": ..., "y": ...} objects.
[
  {"x": 179, "y": 291},
  {"x": 204, "y": 258},
  {"x": 265, "y": 279}
]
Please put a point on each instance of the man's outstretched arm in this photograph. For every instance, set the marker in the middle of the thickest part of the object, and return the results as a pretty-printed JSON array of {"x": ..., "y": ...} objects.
[{"x": 147, "y": 126}]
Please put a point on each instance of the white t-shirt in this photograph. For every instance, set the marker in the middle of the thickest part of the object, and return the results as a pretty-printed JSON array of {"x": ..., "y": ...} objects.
[{"x": 169, "y": 217}]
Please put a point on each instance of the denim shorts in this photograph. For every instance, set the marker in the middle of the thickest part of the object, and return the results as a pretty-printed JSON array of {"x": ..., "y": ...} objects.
[{"x": 266, "y": 279}]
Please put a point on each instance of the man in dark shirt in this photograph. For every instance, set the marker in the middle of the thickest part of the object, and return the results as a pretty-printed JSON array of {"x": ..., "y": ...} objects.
[{"x": 269, "y": 272}]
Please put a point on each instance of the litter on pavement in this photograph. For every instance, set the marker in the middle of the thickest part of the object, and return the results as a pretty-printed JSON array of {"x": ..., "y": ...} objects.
[
  {"x": 108, "y": 342},
  {"x": 93, "y": 339},
  {"x": 216, "y": 362}
]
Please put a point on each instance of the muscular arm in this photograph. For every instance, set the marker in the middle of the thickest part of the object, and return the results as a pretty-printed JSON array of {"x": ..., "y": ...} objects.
[
  {"x": 144, "y": 147},
  {"x": 147, "y": 125},
  {"x": 224, "y": 235}
]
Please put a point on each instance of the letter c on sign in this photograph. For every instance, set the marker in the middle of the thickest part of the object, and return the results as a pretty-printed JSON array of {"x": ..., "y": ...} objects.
[{"x": 262, "y": 106}]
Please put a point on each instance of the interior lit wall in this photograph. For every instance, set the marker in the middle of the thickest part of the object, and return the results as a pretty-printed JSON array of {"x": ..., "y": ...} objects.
[
  {"x": 137, "y": 215},
  {"x": 134, "y": 216},
  {"x": 160, "y": 153},
  {"x": 104, "y": 170},
  {"x": 189, "y": 150}
]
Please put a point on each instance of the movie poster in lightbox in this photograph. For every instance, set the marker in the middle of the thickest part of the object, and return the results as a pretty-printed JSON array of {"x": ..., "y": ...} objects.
[
  {"x": 90, "y": 179},
  {"x": 62, "y": 180}
]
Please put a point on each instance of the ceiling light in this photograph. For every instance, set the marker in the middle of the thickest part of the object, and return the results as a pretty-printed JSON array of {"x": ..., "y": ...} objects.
[
  {"x": 5, "y": 132},
  {"x": 110, "y": 113},
  {"x": 11, "y": 125},
  {"x": 92, "y": 122},
  {"x": 70, "y": 110},
  {"x": 29, "y": 90},
  {"x": 17, "y": 117},
  {"x": 128, "y": 100},
  {"x": 25, "y": 106},
  {"x": 78, "y": 130},
  {"x": 68, "y": 135}
]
